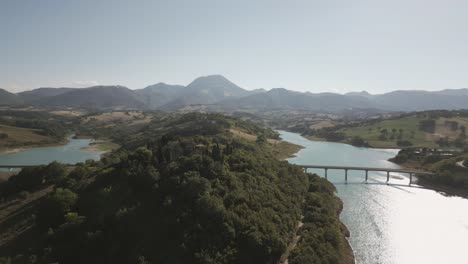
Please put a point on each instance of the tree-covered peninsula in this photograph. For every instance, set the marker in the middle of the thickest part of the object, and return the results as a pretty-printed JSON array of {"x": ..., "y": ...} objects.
[{"x": 184, "y": 189}]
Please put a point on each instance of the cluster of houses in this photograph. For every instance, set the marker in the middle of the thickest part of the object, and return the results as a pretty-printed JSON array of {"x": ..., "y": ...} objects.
[{"x": 423, "y": 152}]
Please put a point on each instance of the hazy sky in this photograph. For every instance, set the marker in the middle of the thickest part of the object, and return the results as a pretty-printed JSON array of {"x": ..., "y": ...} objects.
[{"x": 338, "y": 46}]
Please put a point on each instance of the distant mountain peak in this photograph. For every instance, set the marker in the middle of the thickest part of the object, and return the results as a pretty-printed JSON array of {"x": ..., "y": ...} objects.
[
  {"x": 212, "y": 80},
  {"x": 106, "y": 86},
  {"x": 361, "y": 93},
  {"x": 217, "y": 86},
  {"x": 258, "y": 90},
  {"x": 216, "y": 92},
  {"x": 208, "y": 89},
  {"x": 281, "y": 91},
  {"x": 213, "y": 76}
]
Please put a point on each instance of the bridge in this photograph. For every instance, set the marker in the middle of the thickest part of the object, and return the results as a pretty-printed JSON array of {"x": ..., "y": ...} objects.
[
  {"x": 17, "y": 166},
  {"x": 11, "y": 167},
  {"x": 305, "y": 167},
  {"x": 366, "y": 169}
]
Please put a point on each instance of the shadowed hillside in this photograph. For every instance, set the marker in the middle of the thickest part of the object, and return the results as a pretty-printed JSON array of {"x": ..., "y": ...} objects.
[
  {"x": 95, "y": 97},
  {"x": 216, "y": 93},
  {"x": 182, "y": 190},
  {"x": 7, "y": 98}
]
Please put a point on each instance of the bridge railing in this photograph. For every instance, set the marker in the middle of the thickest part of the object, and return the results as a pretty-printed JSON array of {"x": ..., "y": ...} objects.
[
  {"x": 366, "y": 169},
  {"x": 11, "y": 167}
]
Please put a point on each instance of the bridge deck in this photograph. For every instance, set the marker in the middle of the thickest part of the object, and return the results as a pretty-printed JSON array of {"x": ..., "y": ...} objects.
[
  {"x": 16, "y": 166},
  {"x": 332, "y": 167},
  {"x": 366, "y": 169},
  {"x": 325, "y": 167}
]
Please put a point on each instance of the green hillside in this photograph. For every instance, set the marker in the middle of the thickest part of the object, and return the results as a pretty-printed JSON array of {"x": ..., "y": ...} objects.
[
  {"x": 408, "y": 125},
  {"x": 182, "y": 190},
  {"x": 433, "y": 129}
]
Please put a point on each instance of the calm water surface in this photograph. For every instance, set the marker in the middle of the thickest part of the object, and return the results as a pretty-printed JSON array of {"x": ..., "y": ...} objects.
[
  {"x": 70, "y": 153},
  {"x": 390, "y": 223}
]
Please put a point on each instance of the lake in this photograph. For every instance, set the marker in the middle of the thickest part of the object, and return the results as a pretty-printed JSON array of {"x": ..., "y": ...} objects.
[
  {"x": 70, "y": 153},
  {"x": 392, "y": 223}
]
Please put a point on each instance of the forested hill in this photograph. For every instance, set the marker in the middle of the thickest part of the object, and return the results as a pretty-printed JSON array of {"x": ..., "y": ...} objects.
[
  {"x": 184, "y": 190},
  {"x": 7, "y": 98}
]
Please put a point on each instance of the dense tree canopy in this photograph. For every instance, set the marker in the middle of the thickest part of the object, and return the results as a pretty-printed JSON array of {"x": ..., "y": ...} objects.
[{"x": 187, "y": 191}]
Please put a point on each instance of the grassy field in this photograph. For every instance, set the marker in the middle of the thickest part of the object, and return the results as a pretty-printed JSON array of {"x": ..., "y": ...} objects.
[
  {"x": 107, "y": 146},
  {"x": 103, "y": 146},
  {"x": 322, "y": 124},
  {"x": 18, "y": 136},
  {"x": 118, "y": 117},
  {"x": 410, "y": 132},
  {"x": 442, "y": 129},
  {"x": 67, "y": 112},
  {"x": 281, "y": 149}
]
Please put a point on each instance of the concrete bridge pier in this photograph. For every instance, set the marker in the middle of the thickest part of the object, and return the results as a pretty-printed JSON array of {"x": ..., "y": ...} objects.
[{"x": 345, "y": 168}]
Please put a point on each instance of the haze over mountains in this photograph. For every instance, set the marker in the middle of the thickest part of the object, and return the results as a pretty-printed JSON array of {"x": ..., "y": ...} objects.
[{"x": 215, "y": 92}]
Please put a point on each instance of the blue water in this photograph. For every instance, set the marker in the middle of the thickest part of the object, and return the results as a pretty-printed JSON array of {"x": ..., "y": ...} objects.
[
  {"x": 392, "y": 223},
  {"x": 70, "y": 153}
]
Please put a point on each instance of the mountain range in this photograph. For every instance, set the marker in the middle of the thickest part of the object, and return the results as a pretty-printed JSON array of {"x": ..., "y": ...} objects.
[{"x": 217, "y": 93}]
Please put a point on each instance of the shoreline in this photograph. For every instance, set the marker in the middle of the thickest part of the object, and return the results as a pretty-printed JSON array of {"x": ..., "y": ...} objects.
[
  {"x": 444, "y": 190},
  {"x": 284, "y": 150},
  {"x": 341, "y": 142},
  {"x": 12, "y": 150},
  {"x": 93, "y": 146},
  {"x": 447, "y": 191},
  {"x": 62, "y": 142},
  {"x": 348, "y": 252},
  {"x": 16, "y": 149},
  {"x": 24, "y": 148},
  {"x": 102, "y": 147},
  {"x": 349, "y": 257}
]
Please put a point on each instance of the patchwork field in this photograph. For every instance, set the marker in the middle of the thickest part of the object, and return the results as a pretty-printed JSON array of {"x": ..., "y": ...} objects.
[
  {"x": 281, "y": 149},
  {"x": 103, "y": 146},
  {"x": 67, "y": 113},
  {"x": 444, "y": 129},
  {"x": 322, "y": 124},
  {"x": 409, "y": 126},
  {"x": 404, "y": 129},
  {"x": 21, "y": 136},
  {"x": 114, "y": 116}
]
